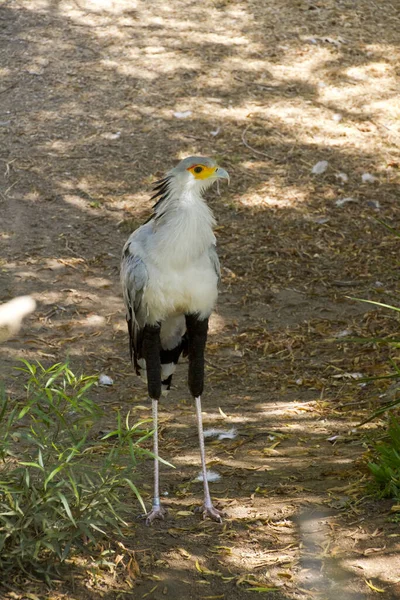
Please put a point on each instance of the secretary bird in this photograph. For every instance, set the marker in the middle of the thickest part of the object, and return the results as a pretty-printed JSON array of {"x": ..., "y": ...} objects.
[{"x": 170, "y": 273}]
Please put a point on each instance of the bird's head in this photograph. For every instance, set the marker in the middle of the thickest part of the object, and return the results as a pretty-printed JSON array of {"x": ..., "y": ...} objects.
[
  {"x": 198, "y": 173},
  {"x": 192, "y": 175}
]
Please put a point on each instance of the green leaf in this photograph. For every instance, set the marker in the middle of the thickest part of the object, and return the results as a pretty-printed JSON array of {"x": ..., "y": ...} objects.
[
  {"x": 378, "y": 377},
  {"x": 144, "y": 437},
  {"x": 67, "y": 507},
  {"x": 375, "y": 303},
  {"x": 66, "y": 550},
  {"x": 58, "y": 369},
  {"x": 87, "y": 387},
  {"x": 30, "y": 368},
  {"x": 52, "y": 474},
  {"x": 4, "y": 405},
  {"x": 93, "y": 526},
  {"x": 391, "y": 229},
  {"x": 113, "y": 433},
  {"x": 380, "y": 411},
  {"x": 140, "y": 423},
  {"x": 136, "y": 492},
  {"x": 32, "y": 464},
  {"x": 389, "y": 339},
  {"x": 23, "y": 411},
  {"x": 132, "y": 451},
  {"x": 127, "y": 420},
  {"x": 161, "y": 460}
]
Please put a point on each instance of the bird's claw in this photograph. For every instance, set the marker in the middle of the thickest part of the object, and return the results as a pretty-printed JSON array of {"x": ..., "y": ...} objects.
[
  {"x": 211, "y": 512},
  {"x": 157, "y": 512}
]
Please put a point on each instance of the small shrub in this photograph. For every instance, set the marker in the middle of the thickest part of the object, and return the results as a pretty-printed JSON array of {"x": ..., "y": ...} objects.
[
  {"x": 393, "y": 342},
  {"x": 60, "y": 487},
  {"x": 386, "y": 467}
]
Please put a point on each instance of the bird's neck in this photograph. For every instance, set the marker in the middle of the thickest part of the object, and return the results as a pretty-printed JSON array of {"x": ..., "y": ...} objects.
[{"x": 183, "y": 227}]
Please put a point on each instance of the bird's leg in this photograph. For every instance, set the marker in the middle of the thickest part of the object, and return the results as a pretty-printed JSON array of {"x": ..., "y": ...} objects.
[
  {"x": 208, "y": 508},
  {"x": 157, "y": 511},
  {"x": 151, "y": 354},
  {"x": 197, "y": 337}
]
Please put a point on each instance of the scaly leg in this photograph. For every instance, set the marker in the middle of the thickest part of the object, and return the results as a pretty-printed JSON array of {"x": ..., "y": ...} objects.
[
  {"x": 157, "y": 511},
  {"x": 208, "y": 508},
  {"x": 197, "y": 337},
  {"x": 151, "y": 354}
]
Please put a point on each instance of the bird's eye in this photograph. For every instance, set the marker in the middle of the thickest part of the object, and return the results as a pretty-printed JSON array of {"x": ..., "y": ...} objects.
[{"x": 198, "y": 169}]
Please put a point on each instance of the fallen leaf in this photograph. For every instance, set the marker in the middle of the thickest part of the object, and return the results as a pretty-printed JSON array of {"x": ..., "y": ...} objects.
[
  {"x": 150, "y": 592},
  {"x": 222, "y": 550},
  {"x": 285, "y": 575},
  {"x": 183, "y": 552},
  {"x": 204, "y": 570},
  {"x": 198, "y": 567},
  {"x": 263, "y": 589},
  {"x": 372, "y": 550},
  {"x": 373, "y": 587}
]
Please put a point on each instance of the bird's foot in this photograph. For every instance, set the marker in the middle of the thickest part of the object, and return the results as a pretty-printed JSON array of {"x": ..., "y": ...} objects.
[
  {"x": 157, "y": 512},
  {"x": 209, "y": 510}
]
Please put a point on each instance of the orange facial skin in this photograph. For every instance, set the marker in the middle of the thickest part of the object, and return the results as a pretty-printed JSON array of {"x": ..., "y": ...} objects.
[{"x": 204, "y": 173}]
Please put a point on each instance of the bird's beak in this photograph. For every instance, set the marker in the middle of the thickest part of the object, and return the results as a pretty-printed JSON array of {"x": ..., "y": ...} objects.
[{"x": 222, "y": 174}]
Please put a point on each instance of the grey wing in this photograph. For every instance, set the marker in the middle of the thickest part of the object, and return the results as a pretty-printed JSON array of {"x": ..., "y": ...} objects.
[
  {"x": 212, "y": 253},
  {"x": 134, "y": 278}
]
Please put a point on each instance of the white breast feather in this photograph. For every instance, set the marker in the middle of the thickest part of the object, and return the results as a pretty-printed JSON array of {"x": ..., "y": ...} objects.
[{"x": 175, "y": 249}]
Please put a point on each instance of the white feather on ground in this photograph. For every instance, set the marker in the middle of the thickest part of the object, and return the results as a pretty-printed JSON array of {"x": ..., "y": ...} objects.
[
  {"x": 105, "y": 380},
  {"x": 12, "y": 313},
  {"x": 221, "y": 434},
  {"x": 320, "y": 167},
  {"x": 367, "y": 178},
  {"x": 212, "y": 477}
]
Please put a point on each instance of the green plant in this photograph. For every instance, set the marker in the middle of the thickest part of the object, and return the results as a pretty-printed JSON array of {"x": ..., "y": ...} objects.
[
  {"x": 60, "y": 485},
  {"x": 386, "y": 467},
  {"x": 389, "y": 227},
  {"x": 391, "y": 341}
]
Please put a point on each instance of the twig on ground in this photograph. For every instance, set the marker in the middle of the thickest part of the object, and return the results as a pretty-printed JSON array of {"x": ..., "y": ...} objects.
[
  {"x": 213, "y": 366},
  {"x": 261, "y": 85},
  {"x": 10, "y": 87},
  {"x": 253, "y": 149}
]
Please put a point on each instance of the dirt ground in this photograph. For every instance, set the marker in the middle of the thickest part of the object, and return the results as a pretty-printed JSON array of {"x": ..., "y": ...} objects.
[{"x": 91, "y": 100}]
